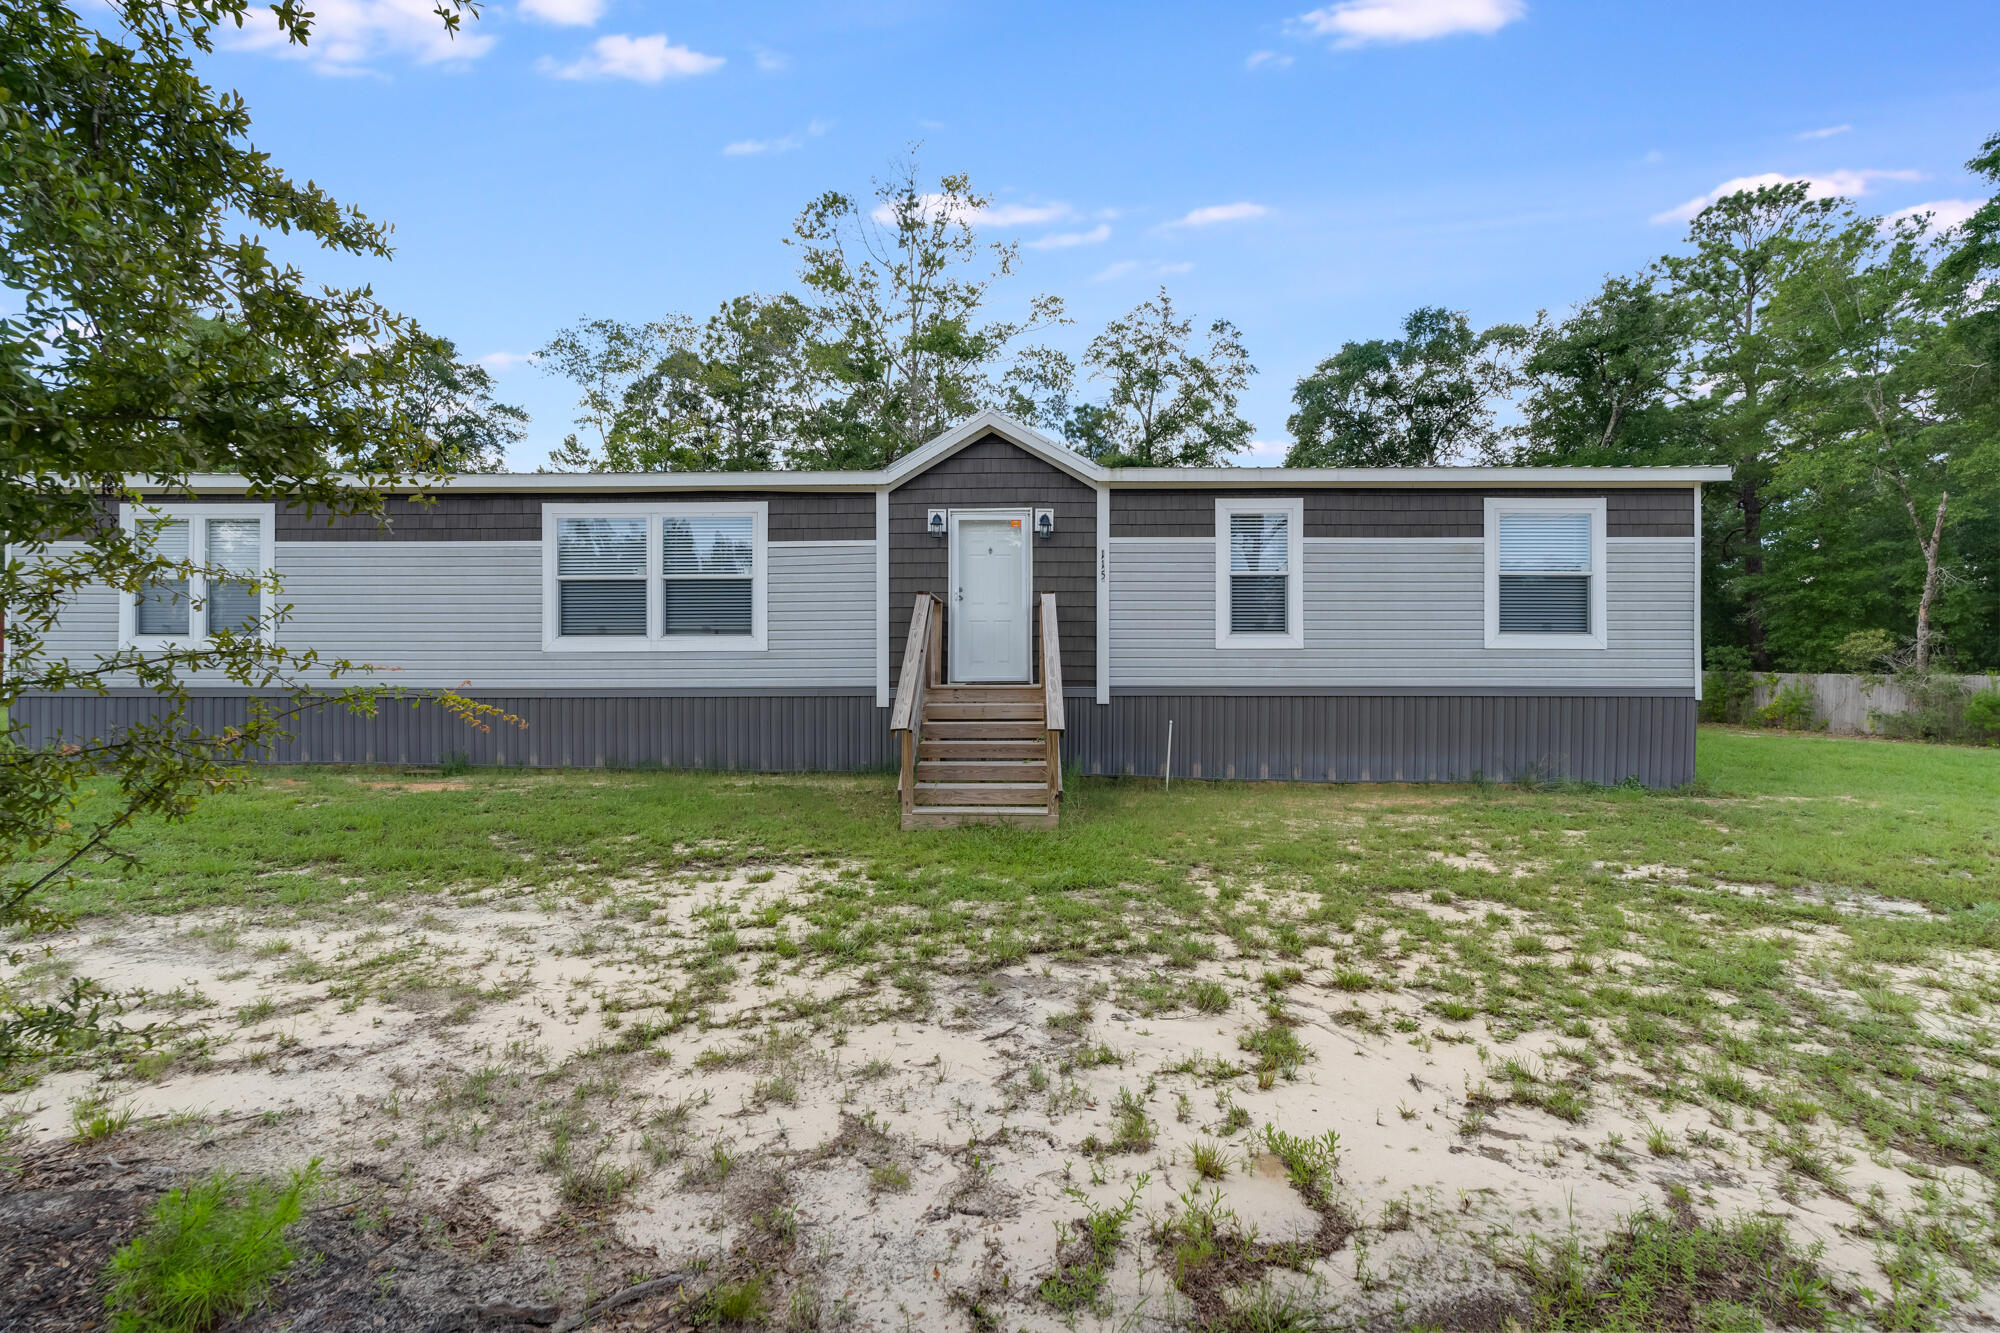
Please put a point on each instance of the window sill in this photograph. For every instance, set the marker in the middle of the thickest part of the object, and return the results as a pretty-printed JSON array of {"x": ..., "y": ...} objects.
[
  {"x": 685, "y": 643},
  {"x": 1551, "y": 642},
  {"x": 1229, "y": 640}
]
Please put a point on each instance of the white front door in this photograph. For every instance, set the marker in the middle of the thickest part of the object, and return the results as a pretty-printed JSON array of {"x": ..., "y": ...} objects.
[{"x": 988, "y": 621}]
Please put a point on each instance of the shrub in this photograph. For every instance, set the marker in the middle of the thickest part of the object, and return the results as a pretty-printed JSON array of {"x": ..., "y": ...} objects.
[
  {"x": 211, "y": 1253},
  {"x": 1727, "y": 691},
  {"x": 1982, "y": 717},
  {"x": 1937, "y": 711},
  {"x": 1790, "y": 709}
]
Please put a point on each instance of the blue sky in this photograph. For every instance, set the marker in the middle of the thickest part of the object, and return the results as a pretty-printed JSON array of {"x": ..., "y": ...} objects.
[{"x": 1310, "y": 174}]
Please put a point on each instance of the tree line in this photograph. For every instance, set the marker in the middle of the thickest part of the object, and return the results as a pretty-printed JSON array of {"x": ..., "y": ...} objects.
[{"x": 1842, "y": 364}]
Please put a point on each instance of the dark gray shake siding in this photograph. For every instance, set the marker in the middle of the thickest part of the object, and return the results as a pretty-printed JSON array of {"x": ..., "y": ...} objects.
[
  {"x": 1391, "y": 513},
  {"x": 993, "y": 474},
  {"x": 822, "y": 516}
]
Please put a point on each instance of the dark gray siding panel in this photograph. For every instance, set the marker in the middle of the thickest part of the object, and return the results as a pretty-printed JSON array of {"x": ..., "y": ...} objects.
[
  {"x": 749, "y": 733},
  {"x": 1388, "y": 738},
  {"x": 816, "y": 516},
  {"x": 1426, "y": 512},
  {"x": 993, "y": 474}
]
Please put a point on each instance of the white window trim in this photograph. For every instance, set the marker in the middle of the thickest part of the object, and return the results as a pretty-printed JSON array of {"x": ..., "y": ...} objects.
[
  {"x": 1295, "y": 572},
  {"x": 757, "y": 641},
  {"x": 131, "y": 516},
  {"x": 1599, "y": 574}
]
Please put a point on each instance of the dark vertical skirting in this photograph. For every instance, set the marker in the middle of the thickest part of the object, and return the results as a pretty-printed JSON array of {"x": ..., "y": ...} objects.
[
  {"x": 1387, "y": 738},
  {"x": 1254, "y": 737},
  {"x": 745, "y": 733}
]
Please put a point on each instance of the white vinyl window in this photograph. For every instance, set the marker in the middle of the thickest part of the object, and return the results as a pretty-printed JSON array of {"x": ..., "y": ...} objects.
[
  {"x": 234, "y": 541},
  {"x": 1259, "y": 554},
  {"x": 1545, "y": 573},
  {"x": 672, "y": 577}
]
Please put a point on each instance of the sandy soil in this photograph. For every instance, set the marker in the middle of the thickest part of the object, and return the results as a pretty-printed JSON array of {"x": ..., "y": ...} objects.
[{"x": 886, "y": 1154}]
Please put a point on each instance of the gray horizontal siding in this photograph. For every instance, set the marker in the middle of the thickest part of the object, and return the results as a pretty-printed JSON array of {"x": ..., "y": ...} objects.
[
  {"x": 1387, "y": 738},
  {"x": 819, "y": 516},
  {"x": 747, "y": 733},
  {"x": 1386, "y": 613},
  {"x": 451, "y": 614},
  {"x": 1425, "y": 512}
]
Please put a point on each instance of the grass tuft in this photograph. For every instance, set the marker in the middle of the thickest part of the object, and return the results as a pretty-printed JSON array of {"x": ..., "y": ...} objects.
[{"x": 211, "y": 1253}]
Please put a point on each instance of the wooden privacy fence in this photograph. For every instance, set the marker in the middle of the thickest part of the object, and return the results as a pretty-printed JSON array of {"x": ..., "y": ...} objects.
[{"x": 1847, "y": 704}]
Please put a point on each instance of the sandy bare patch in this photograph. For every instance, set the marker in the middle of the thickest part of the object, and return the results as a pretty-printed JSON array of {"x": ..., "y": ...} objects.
[{"x": 903, "y": 1149}]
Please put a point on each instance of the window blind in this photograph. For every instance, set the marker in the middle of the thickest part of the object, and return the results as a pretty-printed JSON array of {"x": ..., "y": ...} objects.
[
  {"x": 1259, "y": 573},
  {"x": 601, "y": 569},
  {"x": 162, "y": 606},
  {"x": 233, "y": 545},
  {"x": 708, "y": 561},
  {"x": 1545, "y": 573}
]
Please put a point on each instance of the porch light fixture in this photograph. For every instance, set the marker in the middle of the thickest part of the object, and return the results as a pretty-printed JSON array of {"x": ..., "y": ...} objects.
[
  {"x": 934, "y": 525},
  {"x": 1045, "y": 523}
]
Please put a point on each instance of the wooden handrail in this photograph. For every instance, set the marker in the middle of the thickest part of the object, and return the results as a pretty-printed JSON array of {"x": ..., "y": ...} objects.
[
  {"x": 917, "y": 670},
  {"x": 1052, "y": 696},
  {"x": 921, "y": 670},
  {"x": 1052, "y": 689}
]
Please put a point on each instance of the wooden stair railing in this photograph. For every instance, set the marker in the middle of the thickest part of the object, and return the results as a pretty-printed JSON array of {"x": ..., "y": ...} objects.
[
  {"x": 921, "y": 670},
  {"x": 988, "y": 754}
]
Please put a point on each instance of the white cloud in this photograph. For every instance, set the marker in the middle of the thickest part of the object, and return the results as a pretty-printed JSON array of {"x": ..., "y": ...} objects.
[
  {"x": 1214, "y": 213},
  {"x": 1361, "y": 22},
  {"x": 1127, "y": 267},
  {"x": 1268, "y": 453},
  {"x": 505, "y": 360},
  {"x": 1826, "y": 133},
  {"x": 641, "y": 59},
  {"x": 785, "y": 144},
  {"x": 1064, "y": 240},
  {"x": 1001, "y": 215},
  {"x": 349, "y": 34},
  {"x": 1267, "y": 59},
  {"x": 771, "y": 62},
  {"x": 1945, "y": 213},
  {"x": 566, "y": 13},
  {"x": 754, "y": 147},
  {"x": 1843, "y": 183}
]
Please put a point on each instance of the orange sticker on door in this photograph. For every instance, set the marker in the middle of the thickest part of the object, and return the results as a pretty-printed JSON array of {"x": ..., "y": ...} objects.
[{"x": 1013, "y": 522}]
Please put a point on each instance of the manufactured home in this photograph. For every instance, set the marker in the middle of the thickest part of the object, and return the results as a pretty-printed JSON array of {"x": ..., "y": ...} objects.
[{"x": 980, "y": 615}]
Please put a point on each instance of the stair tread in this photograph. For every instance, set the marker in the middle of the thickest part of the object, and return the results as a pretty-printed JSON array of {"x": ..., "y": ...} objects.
[{"x": 982, "y": 810}]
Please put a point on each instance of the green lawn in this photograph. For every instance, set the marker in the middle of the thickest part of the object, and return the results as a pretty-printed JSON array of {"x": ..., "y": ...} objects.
[{"x": 1915, "y": 822}]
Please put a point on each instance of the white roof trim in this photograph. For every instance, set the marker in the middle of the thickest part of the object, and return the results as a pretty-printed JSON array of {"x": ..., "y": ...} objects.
[
  {"x": 992, "y": 422},
  {"x": 1415, "y": 476}
]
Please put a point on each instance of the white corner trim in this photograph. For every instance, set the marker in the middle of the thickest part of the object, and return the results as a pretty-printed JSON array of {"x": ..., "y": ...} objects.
[
  {"x": 129, "y": 518},
  {"x": 1294, "y": 507},
  {"x": 1103, "y": 595},
  {"x": 653, "y": 641},
  {"x": 1599, "y": 573},
  {"x": 881, "y": 599},
  {"x": 1697, "y": 593}
]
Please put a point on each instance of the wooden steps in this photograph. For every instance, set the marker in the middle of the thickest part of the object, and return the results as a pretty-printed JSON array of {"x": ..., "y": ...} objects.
[
  {"x": 977, "y": 754},
  {"x": 982, "y": 758}
]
